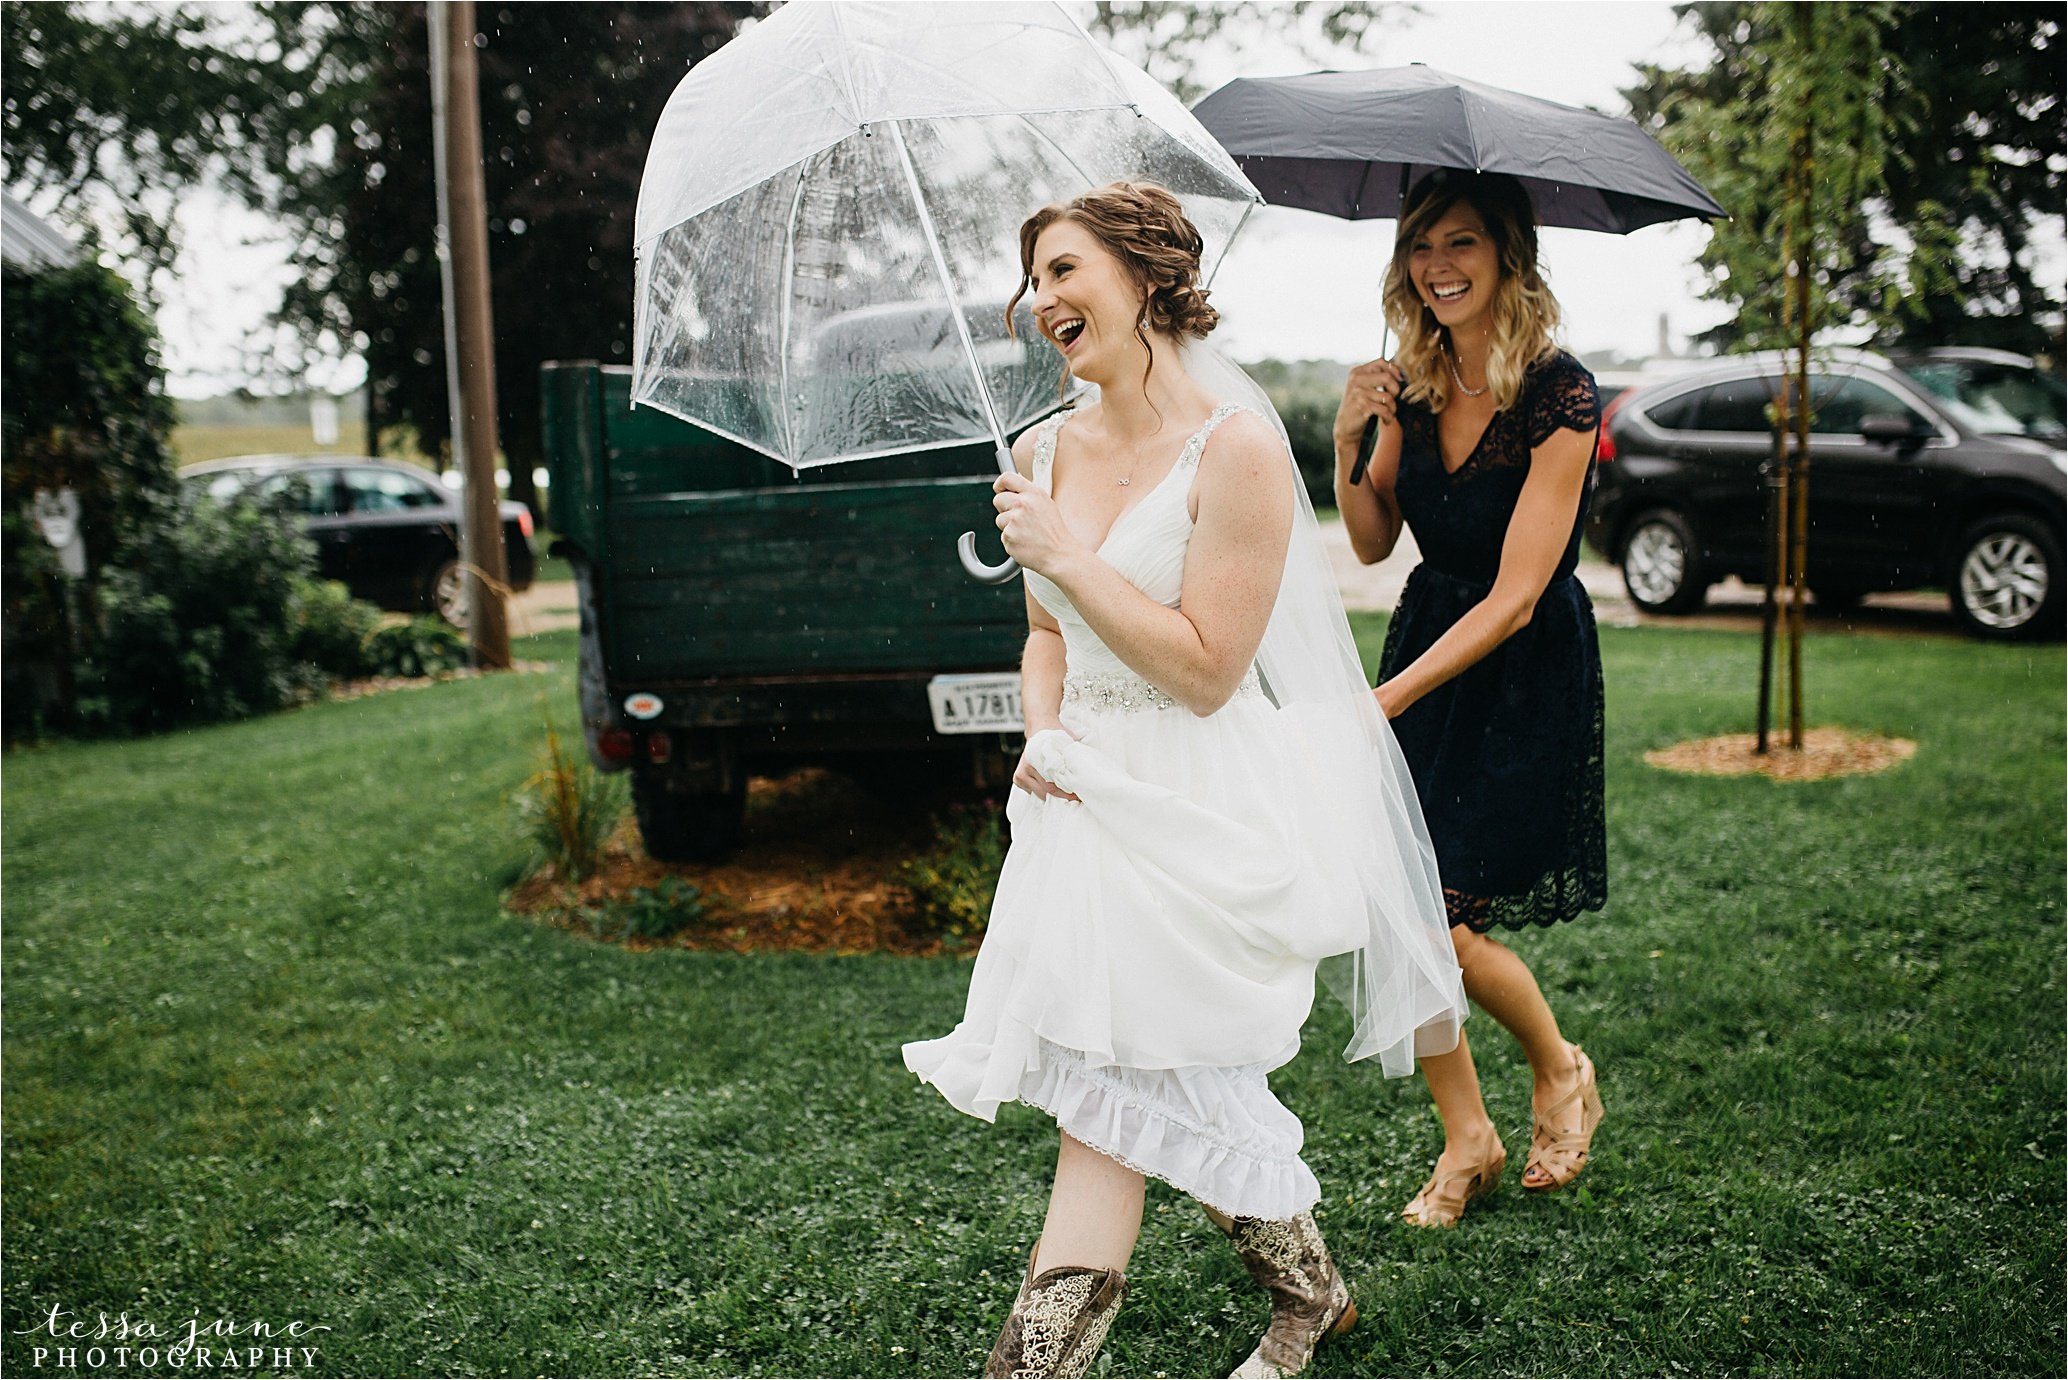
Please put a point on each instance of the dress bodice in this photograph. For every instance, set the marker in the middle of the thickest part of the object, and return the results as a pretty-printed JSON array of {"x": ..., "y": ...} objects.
[
  {"x": 1460, "y": 517},
  {"x": 1146, "y": 543}
]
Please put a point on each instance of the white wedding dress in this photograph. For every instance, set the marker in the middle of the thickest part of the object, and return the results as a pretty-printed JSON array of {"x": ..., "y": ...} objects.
[{"x": 1151, "y": 952}]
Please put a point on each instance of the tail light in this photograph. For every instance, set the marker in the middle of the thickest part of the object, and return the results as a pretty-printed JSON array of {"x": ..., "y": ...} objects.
[
  {"x": 615, "y": 745},
  {"x": 524, "y": 520},
  {"x": 1605, "y": 447},
  {"x": 659, "y": 746}
]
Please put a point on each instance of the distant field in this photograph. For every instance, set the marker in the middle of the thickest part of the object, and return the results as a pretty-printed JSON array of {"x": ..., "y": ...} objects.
[{"x": 193, "y": 444}]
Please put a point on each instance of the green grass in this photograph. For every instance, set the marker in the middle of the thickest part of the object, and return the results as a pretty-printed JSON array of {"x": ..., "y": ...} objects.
[{"x": 272, "y": 1052}]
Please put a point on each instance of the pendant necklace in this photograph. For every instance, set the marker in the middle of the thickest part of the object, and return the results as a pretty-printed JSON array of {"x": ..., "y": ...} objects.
[{"x": 1478, "y": 392}]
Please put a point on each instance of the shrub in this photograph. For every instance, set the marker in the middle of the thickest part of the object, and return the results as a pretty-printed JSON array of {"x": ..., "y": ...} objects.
[
  {"x": 423, "y": 646},
  {"x": 953, "y": 881},
  {"x": 330, "y": 630},
  {"x": 195, "y": 625},
  {"x": 569, "y": 810}
]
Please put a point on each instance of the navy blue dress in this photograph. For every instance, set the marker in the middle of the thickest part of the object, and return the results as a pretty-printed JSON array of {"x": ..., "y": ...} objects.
[{"x": 1507, "y": 755}]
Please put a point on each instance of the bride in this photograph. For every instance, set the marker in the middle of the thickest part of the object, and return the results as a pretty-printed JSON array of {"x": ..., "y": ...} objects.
[{"x": 1209, "y": 806}]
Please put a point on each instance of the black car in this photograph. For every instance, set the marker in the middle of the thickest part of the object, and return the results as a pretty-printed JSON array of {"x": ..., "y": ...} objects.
[
  {"x": 390, "y": 532},
  {"x": 1940, "y": 470}
]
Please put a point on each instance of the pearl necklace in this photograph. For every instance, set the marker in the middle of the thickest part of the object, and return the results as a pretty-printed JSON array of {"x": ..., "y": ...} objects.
[{"x": 1478, "y": 392}]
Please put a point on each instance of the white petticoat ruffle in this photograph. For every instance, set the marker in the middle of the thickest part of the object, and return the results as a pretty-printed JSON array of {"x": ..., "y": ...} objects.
[{"x": 1216, "y": 1134}]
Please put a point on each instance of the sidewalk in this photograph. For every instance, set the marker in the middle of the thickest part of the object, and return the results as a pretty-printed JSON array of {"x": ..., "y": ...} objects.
[{"x": 1376, "y": 588}]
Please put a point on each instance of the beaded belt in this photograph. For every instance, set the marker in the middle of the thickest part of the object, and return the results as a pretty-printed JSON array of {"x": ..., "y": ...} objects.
[{"x": 1125, "y": 691}]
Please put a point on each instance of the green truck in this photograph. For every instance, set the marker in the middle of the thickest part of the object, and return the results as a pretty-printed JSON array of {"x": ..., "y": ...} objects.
[{"x": 740, "y": 620}]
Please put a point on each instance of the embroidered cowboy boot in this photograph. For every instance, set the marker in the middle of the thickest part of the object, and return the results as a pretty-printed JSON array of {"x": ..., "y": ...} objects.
[
  {"x": 1057, "y": 1322},
  {"x": 1309, "y": 1300}
]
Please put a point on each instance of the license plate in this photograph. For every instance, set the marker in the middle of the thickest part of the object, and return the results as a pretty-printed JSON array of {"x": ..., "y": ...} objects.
[{"x": 983, "y": 703}]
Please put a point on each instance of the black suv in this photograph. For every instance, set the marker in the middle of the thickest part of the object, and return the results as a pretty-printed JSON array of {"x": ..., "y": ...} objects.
[
  {"x": 390, "y": 532},
  {"x": 1943, "y": 469}
]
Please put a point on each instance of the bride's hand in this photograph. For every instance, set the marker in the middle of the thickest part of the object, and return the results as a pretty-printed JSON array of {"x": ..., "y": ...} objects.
[
  {"x": 1031, "y": 525},
  {"x": 1034, "y": 783}
]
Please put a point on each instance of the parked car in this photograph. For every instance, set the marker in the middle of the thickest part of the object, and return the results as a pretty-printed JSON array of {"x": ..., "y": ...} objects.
[
  {"x": 390, "y": 532},
  {"x": 1942, "y": 470}
]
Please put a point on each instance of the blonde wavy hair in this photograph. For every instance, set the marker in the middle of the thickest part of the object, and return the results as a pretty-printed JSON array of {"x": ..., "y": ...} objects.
[{"x": 1525, "y": 314}]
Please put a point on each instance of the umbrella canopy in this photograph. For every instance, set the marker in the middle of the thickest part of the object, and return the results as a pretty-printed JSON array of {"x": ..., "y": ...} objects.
[
  {"x": 1349, "y": 144},
  {"x": 827, "y": 225}
]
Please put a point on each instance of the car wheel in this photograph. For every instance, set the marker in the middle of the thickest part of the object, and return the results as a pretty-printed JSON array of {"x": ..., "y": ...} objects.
[
  {"x": 1661, "y": 570},
  {"x": 445, "y": 590},
  {"x": 2006, "y": 581},
  {"x": 686, "y": 826}
]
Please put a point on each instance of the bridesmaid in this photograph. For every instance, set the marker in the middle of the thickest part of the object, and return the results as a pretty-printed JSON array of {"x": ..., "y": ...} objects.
[{"x": 1491, "y": 672}]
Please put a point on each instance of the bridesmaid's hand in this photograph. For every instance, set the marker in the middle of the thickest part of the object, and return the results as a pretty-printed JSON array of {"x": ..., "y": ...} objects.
[
  {"x": 1373, "y": 390},
  {"x": 1031, "y": 524},
  {"x": 1391, "y": 701}
]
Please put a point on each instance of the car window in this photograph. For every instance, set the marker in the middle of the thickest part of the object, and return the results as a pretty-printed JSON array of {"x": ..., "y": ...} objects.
[
  {"x": 1997, "y": 399},
  {"x": 1675, "y": 414},
  {"x": 1739, "y": 405},
  {"x": 387, "y": 491},
  {"x": 1843, "y": 403},
  {"x": 310, "y": 492}
]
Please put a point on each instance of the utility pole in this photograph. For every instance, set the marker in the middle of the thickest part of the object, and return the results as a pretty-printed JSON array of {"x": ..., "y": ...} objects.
[{"x": 469, "y": 328}]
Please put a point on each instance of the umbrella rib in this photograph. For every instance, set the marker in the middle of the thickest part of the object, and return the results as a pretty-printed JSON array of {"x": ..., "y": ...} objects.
[
  {"x": 789, "y": 294},
  {"x": 940, "y": 263}
]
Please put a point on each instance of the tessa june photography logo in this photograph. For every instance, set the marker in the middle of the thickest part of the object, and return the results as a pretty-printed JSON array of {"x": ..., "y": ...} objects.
[{"x": 65, "y": 1341}]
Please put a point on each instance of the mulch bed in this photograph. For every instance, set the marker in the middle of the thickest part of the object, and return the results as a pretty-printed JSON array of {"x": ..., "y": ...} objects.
[
  {"x": 1825, "y": 753},
  {"x": 813, "y": 874},
  {"x": 379, "y": 685}
]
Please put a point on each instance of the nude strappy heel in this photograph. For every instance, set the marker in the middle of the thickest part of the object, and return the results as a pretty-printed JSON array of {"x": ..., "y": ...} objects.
[
  {"x": 1442, "y": 1200},
  {"x": 1555, "y": 1148}
]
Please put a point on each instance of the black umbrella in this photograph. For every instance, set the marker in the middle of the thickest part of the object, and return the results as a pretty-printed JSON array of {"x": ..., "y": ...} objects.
[{"x": 1350, "y": 144}]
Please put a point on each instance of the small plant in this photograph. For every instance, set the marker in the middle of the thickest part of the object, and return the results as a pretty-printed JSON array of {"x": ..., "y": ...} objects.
[
  {"x": 421, "y": 647},
  {"x": 649, "y": 912},
  {"x": 952, "y": 882},
  {"x": 569, "y": 810}
]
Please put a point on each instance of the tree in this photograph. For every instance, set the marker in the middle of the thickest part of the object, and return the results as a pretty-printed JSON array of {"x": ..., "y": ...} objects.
[
  {"x": 112, "y": 111},
  {"x": 1967, "y": 130},
  {"x": 570, "y": 95},
  {"x": 1169, "y": 39}
]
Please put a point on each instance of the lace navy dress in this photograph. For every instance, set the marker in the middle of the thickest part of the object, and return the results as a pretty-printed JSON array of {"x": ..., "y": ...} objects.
[{"x": 1506, "y": 755}]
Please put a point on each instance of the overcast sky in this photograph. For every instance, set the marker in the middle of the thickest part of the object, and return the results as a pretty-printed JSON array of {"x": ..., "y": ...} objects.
[{"x": 1297, "y": 285}]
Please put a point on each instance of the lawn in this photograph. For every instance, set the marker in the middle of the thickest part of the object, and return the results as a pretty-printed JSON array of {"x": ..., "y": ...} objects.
[{"x": 272, "y": 1052}]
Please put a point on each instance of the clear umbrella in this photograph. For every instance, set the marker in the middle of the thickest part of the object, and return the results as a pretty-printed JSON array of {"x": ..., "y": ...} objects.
[{"x": 827, "y": 226}]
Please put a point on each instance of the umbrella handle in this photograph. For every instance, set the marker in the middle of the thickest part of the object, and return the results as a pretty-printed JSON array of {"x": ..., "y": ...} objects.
[
  {"x": 974, "y": 564},
  {"x": 967, "y": 547}
]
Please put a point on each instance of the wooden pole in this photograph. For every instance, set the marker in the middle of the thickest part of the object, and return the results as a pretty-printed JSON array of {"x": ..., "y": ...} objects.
[{"x": 470, "y": 329}]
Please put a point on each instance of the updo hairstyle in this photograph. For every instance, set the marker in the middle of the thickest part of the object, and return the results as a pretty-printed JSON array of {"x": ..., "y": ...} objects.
[{"x": 1145, "y": 227}]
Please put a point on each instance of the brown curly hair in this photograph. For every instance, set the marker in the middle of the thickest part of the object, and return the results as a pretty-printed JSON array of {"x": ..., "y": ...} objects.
[{"x": 1146, "y": 228}]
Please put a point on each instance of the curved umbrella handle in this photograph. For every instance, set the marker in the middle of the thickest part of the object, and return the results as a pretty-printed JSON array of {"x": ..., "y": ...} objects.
[
  {"x": 967, "y": 547},
  {"x": 974, "y": 564}
]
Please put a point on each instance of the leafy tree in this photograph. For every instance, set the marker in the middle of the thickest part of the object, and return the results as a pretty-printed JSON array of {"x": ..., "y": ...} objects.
[
  {"x": 111, "y": 111},
  {"x": 1931, "y": 198},
  {"x": 570, "y": 94}
]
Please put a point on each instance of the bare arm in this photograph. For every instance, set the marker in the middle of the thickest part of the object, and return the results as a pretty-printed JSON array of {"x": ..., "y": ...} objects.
[
  {"x": 1530, "y": 552},
  {"x": 1371, "y": 514},
  {"x": 1198, "y": 653}
]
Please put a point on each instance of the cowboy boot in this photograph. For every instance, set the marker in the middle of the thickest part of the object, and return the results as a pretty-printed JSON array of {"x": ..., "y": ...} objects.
[
  {"x": 1309, "y": 1300},
  {"x": 1057, "y": 1321}
]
